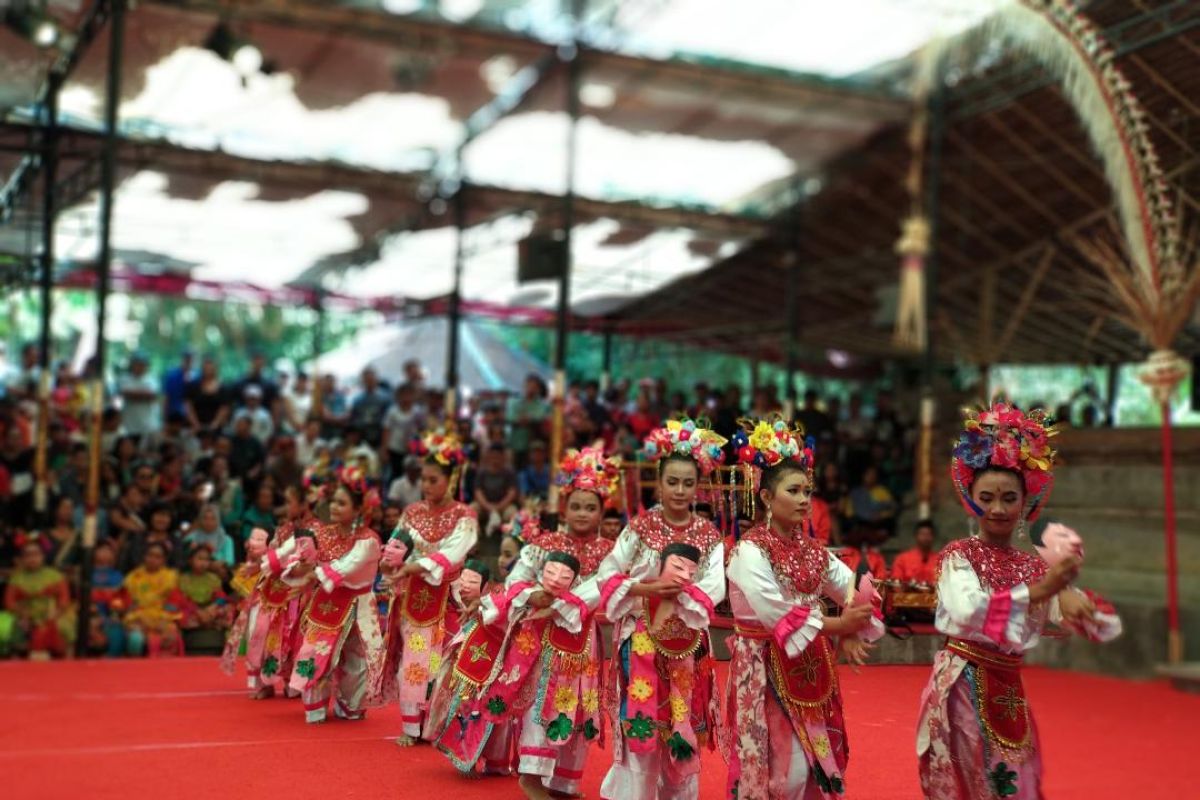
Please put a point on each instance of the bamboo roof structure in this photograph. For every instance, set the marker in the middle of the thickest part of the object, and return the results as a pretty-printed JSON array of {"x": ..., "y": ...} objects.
[{"x": 1017, "y": 179}]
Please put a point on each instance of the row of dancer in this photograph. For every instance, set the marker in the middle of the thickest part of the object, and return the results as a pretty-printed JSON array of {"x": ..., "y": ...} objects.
[{"x": 512, "y": 678}]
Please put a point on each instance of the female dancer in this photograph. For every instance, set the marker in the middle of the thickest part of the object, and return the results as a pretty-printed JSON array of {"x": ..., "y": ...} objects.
[
  {"x": 341, "y": 649},
  {"x": 975, "y": 737},
  {"x": 786, "y": 735},
  {"x": 558, "y": 726},
  {"x": 660, "y": 606},
  {"x": 443, "y": 531},
  {"x": 272, "y": 613}
]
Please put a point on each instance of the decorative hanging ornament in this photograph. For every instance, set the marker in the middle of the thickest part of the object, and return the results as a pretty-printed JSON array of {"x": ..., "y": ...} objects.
[{"x": 1162, "y": 373}]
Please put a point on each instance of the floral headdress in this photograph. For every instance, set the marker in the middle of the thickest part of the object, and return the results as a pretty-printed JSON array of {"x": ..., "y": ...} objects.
[
  {"x": 689, "y": 438},
  {"x": 588, "y": 470},
  {"x": 355, "y": 479},
  {"x": 442, "y": 445},
  {"x": 1005, "y": 437},
  {"x": 766, "y": 442}
]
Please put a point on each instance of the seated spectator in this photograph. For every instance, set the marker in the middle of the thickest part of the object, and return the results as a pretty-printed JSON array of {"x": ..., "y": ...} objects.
[
  {"x": 261, "y": 513},
  {"x": 871, "y": 503},
  {"x": 283, "y": 468},
  {"x": 918, "y": 565},
  {"x": 404, "y": 421},
  {"x": 356, "y": 451},
  {"x": 207, "y": 530},
  {"x": 309, "y": 441},
  {"x": 529, "y": 416},
  {"x": 41, "y": 621},
  {"x": 125, "y": 516},
  {"x": 246, "y": 452},
  {"x": 369, "y": 406},
  {"x": 495, "y": 492},
  {"x": 60, "y": 544},
  {"x": 297, "y": 404},
  {"x": 161, "y": 532},
  {"x": 643, "y": 419},
  {"x": 152, "y": 607},
  {"x": 106, "y": 635},
  {"x": 612, "y": 524},
  {"x": 206, "y": 402},
  {"x": 334, "y": 408},
  {"x": 125, "y": 452},
  {"x": 820, "y": 522},
  {"x": 859, "y": 554},
  {"x": 170, "y": 477},
  {"x": 16, "y": 459},
  {"x": 205, "y": 604},
  {"x": 406, "y": 488},
  {"x": 510, "y": 550},
  {"x": 145, "y": 475},
  {"x": 534, "y": 479},
  {"x": 262, "y": 424},
  {"x": 71, "y": 480},
  {"x": 389, "y": 518},
  {"x": 226, "y": 491},
  {"x": 815, "y": 421}
]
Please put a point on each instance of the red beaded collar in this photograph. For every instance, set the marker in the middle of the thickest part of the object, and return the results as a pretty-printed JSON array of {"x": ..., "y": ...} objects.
[
  {"x": 431, "y": 524},
  {"x": 590, "y": 551},
  {"x": 332, "y": 544},
  {"x": 997, "y": 567},
  {"x": 799, "y": 563},
  {"x": 656, "y": 533}
]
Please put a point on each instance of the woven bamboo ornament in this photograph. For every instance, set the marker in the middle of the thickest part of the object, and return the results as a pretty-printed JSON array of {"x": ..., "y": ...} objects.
[
  {"x": 1154, "y": 278},
  {"x": 913, "y": 246}
]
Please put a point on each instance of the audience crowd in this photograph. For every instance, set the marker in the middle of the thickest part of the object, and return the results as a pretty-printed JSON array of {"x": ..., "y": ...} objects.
[{"x": 194, "y": 461}]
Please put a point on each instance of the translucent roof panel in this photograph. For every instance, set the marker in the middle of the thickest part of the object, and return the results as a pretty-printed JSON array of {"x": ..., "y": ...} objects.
[
  {"x": 607, "y": 271},
  {"x": 818, "y": 37}
]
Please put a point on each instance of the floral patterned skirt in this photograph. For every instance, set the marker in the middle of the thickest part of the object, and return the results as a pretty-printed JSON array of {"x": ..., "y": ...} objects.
[
  {"x": 776, "y": 750},
  {"x": 957, "y": 761}
]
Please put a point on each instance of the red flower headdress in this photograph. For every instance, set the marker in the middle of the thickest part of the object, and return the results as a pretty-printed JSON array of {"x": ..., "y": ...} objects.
[
  {"x": 1005, "y": 437},
  {"x": 443, "y": 446},
  {"x": 764, "y": 443},
  {"x": 689, "y": 438},
  {"x": 588, "y": 470},
  {"x": 353, "y": 478}
]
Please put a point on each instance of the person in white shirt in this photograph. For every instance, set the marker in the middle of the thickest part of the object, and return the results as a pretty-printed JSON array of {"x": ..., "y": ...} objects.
[
  {"x": 404, "y": 421},
  {"x": 297, "y": 402},
  {"x": 140, "y": 398},
  {"x": 262, "y": 426},
  {"x": 309, "y": 441},
  {"x": 406, "y": 489}
]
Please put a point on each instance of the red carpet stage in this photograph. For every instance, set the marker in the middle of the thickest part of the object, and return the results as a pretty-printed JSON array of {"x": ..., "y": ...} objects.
[{"x": 181, "y": 729}]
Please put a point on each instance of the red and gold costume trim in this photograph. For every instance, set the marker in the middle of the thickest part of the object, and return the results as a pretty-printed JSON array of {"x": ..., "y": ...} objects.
[
  {"x": 434, "y": 524},
  {"x": 999, "y": 694},
  {"x": 654, "y": 532},
  {"x": 799, "y": 563},
  {"x": 590, "y": 550},
  {"x": 997, "y": 567}
]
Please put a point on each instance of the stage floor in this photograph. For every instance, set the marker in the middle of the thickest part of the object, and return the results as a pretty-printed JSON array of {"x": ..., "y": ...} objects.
[{"x": 181, "y": 729}]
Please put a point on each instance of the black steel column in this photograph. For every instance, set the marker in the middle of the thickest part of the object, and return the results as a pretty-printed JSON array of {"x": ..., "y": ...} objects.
[
  {"x": 108, "y": 179},
  {"x": 572, "y": 56},
  {"x": 606, "y": 365},
  {"x": 49, "y": 212},
  {"x": 454, "y": 311}
]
